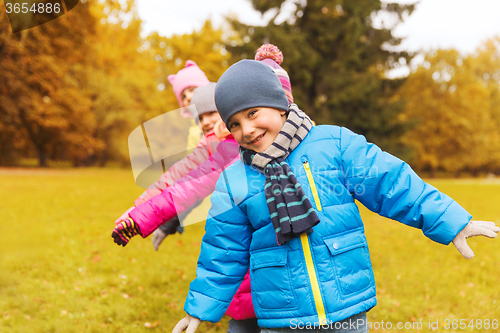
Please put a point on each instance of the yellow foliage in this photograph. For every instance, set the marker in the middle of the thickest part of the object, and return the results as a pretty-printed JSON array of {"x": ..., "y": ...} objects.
[{"x": 452, "y": 108}]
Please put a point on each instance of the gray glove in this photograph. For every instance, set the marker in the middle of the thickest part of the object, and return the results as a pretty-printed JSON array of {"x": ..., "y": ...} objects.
[
  {"x": 474, "y": 228},
  {"x": 188, "y": 323},
  {"x": 158, "y": 237},
  {"x": 167, "y": 228}
]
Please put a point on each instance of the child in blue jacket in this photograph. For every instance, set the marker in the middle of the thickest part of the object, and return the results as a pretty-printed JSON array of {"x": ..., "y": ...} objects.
[{"x": 286, "y": 210}]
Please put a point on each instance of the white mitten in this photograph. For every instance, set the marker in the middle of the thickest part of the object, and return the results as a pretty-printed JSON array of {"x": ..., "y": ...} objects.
[
  {"x": 189, "y": 322},
  {"x": 474, "y": 228}
]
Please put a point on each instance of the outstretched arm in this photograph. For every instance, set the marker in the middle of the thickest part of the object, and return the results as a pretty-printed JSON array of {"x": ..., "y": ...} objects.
[
  {"x": 178, "y": 170},
  {"x": 389, "y": 187},
  {"x": 186, "y": 192}
]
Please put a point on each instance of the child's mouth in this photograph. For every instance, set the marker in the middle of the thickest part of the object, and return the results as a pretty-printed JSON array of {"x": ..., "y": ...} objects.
[
  {"x": 207, "y": 129},
  {"x": 258, "y": 139}
]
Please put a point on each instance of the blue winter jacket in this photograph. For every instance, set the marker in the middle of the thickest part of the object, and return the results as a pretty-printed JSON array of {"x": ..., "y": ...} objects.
[{"x": 324, "y": 276}]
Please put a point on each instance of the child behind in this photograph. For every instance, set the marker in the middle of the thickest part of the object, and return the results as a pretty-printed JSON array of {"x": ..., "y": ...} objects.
[
  {"x": 183, "y": 84},
  {"x": 286, "y": 210}
]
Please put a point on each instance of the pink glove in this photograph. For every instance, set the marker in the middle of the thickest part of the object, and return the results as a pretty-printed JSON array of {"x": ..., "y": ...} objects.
[{"x": 124, "y": 216}]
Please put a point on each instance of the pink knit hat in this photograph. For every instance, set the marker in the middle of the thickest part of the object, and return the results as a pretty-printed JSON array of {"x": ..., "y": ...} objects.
[
  {"x": 190, "y": 76},
  {"x": 272, "y": 56}
]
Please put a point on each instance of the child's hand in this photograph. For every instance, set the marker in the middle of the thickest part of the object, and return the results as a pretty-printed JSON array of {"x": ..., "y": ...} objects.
[
  {"x": 158, "y": 237},
  {"x": 125, "y": 230},
  {"x": 123, "y": 216},
  {"x": 474, "y": 228},
  {"x": 189, "y": 322},
  {"x": 167, "y": 228}
]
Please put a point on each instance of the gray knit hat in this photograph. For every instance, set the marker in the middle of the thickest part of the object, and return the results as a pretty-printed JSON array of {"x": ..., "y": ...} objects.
[
  {"x": 203, "y": 100},
  {"x": 247, "y": 84}
]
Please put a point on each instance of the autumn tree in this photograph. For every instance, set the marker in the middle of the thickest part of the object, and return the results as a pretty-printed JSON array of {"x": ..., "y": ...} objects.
[
  {"x": 451, "y": 106},
  {"x": 128, "y": 77},
  {"x": 40, "y": 98},
  {"x": 337, "y": 55},
  {"x": 486, "y": 62},
  {"x": 121, "y": 79},
  {"x": 205, "y": 47},
  {"x": 74, "y": 88}
]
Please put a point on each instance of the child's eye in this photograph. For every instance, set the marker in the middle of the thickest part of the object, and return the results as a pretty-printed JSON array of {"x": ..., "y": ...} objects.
[
  {"x": 233, "y": 125},
  {"x": 251, "y": 113}
]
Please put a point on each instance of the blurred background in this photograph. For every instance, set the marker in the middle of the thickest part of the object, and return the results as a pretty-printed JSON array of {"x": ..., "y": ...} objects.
[
  {"x": 432, "y": 99},
  {"x": 421, "y": 80}
]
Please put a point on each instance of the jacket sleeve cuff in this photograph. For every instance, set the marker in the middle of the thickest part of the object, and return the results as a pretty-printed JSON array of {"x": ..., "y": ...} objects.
[
  {"x": 147, "y": 216},
  {"x": 449, "y": 224},
  {"x": 204, "y": 307}
]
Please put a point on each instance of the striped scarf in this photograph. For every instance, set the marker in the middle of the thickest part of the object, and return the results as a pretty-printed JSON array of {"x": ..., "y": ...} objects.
[{"x": 291, "y": 211}]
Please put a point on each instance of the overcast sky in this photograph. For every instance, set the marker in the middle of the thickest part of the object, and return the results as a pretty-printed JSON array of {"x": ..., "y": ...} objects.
[{"x": 461, "y": 24}]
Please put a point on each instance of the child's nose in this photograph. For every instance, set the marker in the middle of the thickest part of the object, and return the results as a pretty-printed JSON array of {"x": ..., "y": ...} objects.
[{"x": 248, "y": 128}]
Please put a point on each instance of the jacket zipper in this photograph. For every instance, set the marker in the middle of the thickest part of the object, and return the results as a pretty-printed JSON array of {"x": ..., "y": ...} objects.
[
  {"x": 304, "y": 238},
  {"x": 313, "y": 185}
]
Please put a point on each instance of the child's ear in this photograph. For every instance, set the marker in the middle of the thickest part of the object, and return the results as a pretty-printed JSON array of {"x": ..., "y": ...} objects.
[{"x": 283, "y": 112}]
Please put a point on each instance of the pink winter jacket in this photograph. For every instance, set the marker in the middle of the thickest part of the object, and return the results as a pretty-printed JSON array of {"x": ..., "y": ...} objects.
[
  {"x": 184, "y": 193},
  {"x": 205, "y": 148}
]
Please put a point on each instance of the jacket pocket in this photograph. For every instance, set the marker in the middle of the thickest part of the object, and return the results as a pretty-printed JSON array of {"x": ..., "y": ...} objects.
[
  {"x": 271, "y": 283},
  {"x": 351, "y": 261}
]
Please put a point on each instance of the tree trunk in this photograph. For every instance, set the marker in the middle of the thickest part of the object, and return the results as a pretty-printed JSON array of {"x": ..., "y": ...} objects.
[
  {"x": 432, "y": 172},
  {"x": 42, "y": 158}
]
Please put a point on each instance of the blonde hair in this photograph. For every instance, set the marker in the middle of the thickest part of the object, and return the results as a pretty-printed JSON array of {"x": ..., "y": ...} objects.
[{"x": 220, "y": 130}]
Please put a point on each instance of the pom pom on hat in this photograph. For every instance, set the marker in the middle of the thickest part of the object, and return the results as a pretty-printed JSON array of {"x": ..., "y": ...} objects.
[
  {"x": 270, "y": 55},
  {"x": 269, "y": 51}
]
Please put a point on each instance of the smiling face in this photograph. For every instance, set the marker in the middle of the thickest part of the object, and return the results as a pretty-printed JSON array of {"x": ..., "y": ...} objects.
[
  {"x": 208, "y": 121},
  {"x": 256, "y": 128}
]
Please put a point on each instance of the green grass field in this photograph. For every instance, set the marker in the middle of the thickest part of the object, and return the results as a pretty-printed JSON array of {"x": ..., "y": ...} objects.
[{"x": 61, "y": 272}]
